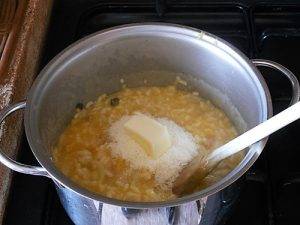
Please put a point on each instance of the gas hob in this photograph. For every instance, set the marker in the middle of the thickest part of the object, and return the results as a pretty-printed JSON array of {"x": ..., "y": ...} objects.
[{"x": 269, "y": 192}]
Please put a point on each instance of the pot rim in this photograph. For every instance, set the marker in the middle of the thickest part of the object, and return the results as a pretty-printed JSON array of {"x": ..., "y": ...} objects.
[{"x": 60, "y": 179}]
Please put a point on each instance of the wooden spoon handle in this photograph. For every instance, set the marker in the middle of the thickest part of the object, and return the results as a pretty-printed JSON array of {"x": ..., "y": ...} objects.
[{"x": 255, "y": 134}]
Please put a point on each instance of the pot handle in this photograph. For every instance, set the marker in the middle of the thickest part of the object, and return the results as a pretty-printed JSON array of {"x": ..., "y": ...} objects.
[
  {"x": 10, "y": 163},
  {"x": 292, "y": 78}
]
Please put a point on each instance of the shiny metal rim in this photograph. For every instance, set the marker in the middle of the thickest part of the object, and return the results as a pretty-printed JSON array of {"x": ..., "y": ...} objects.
[{"x": 231, "y": 177}]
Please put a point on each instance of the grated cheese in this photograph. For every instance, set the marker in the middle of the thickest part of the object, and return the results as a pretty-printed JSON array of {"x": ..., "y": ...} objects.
[{"x": 168, "y": 166}]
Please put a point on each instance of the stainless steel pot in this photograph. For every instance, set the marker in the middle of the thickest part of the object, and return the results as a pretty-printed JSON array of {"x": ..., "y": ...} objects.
[{"x": 95, "y": 65}]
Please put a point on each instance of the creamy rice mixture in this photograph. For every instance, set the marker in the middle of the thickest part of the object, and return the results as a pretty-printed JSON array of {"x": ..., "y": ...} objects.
[{"x": 84, "y": 152}]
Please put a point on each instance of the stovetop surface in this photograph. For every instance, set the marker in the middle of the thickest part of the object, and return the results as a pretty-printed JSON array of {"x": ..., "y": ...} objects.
[{"x": 269, "y": 30}]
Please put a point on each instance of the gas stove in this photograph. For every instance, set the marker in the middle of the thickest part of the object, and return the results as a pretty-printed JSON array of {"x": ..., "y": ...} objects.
[{"x": 269, "y": 192}]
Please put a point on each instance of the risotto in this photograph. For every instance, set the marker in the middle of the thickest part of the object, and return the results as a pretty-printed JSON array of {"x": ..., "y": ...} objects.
[{"x": 84, "y": 151}]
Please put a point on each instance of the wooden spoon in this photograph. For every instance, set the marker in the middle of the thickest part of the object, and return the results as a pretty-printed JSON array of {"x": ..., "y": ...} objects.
[{"x": 202, "y": 165}]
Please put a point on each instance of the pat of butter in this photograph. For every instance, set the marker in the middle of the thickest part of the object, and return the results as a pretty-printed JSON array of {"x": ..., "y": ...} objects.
[{"x": 152, "y": 136}]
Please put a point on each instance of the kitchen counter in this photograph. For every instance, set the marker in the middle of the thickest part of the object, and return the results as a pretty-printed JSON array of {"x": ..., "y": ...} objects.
[{"x": 23, "y": 27}]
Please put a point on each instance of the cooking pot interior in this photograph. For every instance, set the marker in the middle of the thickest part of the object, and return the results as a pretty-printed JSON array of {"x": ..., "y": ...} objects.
[{"x": 97, "y": 64}]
